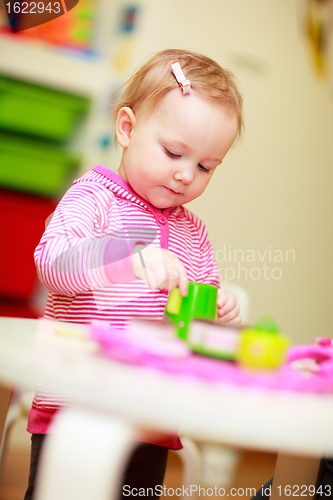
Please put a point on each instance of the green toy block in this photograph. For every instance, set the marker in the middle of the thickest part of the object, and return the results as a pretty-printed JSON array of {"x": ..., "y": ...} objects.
[{"x": 200, "y": 303}]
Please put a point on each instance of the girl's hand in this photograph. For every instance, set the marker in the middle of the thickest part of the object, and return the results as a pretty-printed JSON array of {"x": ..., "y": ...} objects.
[
  {"x": 227, "y": 309},
  {"x": 159, "y": 268}
]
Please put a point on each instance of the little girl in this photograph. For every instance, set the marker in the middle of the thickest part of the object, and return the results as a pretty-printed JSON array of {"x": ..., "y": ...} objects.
[{"x": 118, "y": 242}]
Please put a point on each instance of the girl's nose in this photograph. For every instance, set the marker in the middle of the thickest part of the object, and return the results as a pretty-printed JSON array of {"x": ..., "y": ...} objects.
[{"x": 184, "y": 173}]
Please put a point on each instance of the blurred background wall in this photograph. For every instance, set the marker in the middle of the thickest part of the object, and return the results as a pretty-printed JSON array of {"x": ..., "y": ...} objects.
[{"x": 269, "y": 207}]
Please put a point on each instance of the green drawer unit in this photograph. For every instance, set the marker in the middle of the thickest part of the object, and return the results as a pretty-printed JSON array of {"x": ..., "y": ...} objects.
[
  {"x": 35, "y": 167},
  {"x": 39, "y": 111}
]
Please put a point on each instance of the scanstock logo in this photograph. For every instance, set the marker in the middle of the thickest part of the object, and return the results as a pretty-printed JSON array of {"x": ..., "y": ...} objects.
[{"x": 23, "y": 15}]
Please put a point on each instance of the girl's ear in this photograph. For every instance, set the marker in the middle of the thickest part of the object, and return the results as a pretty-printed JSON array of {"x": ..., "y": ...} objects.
[{"x": 125, "y": 123}]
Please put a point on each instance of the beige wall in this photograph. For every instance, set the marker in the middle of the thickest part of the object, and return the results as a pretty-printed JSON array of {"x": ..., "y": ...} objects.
[{"x": 273, "y": 192}]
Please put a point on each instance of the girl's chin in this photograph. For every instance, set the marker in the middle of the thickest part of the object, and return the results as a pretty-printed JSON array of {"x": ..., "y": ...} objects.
[{"x": 162, "y": 198}]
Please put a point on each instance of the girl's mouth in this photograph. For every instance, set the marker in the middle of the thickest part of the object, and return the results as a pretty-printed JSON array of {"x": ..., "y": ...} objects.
[{"x": 175, "y": 193}]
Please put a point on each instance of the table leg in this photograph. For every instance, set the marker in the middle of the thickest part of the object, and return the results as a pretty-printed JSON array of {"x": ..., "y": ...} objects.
[
  {"x": 294, "y": 475},
  {"x": 5, "y": 397},
  {"x": 83, "y": 457}
]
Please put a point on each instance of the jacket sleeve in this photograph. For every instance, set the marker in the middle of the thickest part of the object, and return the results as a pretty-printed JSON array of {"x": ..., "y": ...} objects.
[{"x": 76, "y": 253}]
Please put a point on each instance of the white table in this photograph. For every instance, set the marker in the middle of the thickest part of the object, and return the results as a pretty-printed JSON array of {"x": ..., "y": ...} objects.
[{"x": 127, "y": 400}]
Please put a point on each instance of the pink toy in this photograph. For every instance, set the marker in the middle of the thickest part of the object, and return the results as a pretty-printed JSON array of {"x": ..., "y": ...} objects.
[
  {"x": 323, "y": 341},
  {"x": 170, "y": 355},
  {"x": 138, "y": 344},
  {"x": 322, "y": 356}
]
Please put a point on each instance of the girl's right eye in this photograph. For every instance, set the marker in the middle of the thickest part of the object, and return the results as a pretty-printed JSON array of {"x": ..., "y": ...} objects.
[{"x": 171, "y": 154}]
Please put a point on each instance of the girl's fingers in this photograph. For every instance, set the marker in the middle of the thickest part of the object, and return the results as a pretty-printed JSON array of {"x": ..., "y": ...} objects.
[
  {"x": 228, "y": 306},
  {"x": 180, "y": 281},
  {"x": 222, "y": 298},
  {"x": 183, "y": 282},
  {"x": 229, "y": 312},
  {"x": 176, "y": 275},
  {"x": 235, "y": 322},
  {"x": 230, "y": 316}
]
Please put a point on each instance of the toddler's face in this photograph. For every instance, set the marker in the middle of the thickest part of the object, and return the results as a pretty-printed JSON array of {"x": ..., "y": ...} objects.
[{"x": 170, "y": 157}]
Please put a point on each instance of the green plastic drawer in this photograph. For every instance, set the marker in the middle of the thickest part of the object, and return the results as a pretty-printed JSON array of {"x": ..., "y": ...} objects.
[
  {"x": 34, "y": 167},
  {"x": 39, "y": 111}
]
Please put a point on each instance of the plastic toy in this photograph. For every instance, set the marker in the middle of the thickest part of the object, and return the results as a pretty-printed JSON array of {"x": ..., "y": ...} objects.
[
  {"x": 322, "y": 356},
  {"x": 167, "y": 355},
  {"x": 211, "y": 339},
  {"x": 262, "y": 349},
  {"x": 262, "y": 346},
  {"x": 257, "y": 347},
  {"x": 200, "y": 303},
  {"x": 267, "y": 324}
]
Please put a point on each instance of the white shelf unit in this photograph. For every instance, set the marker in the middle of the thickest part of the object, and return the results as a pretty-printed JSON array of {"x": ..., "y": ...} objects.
[
  {"x": 48, "y": 65},
  {"x": 44, "y": 64}
]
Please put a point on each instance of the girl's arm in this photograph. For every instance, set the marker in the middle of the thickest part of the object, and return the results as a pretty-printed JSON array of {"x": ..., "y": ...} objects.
[{"x": 76, "y": 254}]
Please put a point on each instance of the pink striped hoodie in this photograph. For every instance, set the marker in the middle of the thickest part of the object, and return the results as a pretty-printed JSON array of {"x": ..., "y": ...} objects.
[{"x": 83, "y": 259}]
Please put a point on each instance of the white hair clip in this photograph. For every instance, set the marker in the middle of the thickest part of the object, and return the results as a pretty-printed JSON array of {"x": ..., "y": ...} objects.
[{"x": 180, "y": 77}]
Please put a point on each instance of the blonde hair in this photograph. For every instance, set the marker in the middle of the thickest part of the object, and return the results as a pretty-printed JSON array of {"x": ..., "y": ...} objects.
[{"x": 154, "y": 80}]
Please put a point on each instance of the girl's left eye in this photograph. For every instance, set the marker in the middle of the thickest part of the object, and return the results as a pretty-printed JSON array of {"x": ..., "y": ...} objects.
[
  {"x": 203, "y": 169},
  {"x": 171, "y": 154}
]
